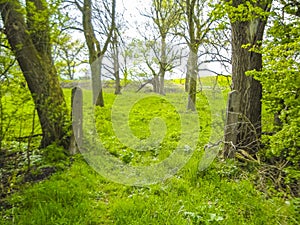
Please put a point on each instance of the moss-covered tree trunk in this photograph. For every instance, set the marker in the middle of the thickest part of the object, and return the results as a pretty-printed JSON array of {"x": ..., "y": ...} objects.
[{"x": 33, "y": 53}]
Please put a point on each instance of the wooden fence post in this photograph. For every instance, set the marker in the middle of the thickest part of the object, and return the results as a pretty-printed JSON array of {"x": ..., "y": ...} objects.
[{"x": 77, "y": 118}]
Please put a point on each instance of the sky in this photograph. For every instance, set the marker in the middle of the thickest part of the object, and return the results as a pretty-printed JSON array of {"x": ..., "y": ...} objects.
[{"x": 131, "y": 10}]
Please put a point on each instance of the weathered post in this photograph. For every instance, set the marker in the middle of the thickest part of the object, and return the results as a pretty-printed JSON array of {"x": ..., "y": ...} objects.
[
  {"x": 77, "y": 118},
  {"x": 232, "y": 126}
]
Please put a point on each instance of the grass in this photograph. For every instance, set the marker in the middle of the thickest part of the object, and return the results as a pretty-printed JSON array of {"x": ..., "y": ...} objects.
[
  {"x": 222, "y": 194},
  {"x": 81, "y": 196},
  {"x": 140, "y": 116}
]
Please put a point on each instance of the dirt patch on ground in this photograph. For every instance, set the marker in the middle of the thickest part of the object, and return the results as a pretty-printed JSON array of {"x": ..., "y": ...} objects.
[{"x": 14, "y": 174}]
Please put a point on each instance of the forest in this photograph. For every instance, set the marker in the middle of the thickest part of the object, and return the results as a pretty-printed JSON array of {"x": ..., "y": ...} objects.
[{"x": 149, "y": 112}]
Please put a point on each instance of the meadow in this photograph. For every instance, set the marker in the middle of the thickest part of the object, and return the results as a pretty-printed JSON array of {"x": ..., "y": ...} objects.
[{"x": 226, "y": 192}]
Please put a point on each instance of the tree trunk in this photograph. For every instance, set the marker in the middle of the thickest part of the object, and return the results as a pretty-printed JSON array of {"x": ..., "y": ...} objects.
[
  {"x": 243, "y": 125},
  {"x": 118, "y": 84},
  {"x": 162, "y": 83},
  {"x": 115, "y": 48},
  {"x": 94, "y": 53},
  {"x": 187, "y": 82},
  {"x": 39, "y": 28},
  {"x": 162, "y": 66},
  {"x": 193, "y": 72},
  {"x": 188, "y": 74},
  {"x": 156, "y": 84},
  {"x": 97, "y": 82},
  {"x": 36, "y": 65},
  {"x": 196, "y": 36}
]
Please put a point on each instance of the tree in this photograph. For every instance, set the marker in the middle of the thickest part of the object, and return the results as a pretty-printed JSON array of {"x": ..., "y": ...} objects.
[
  {"x": 144, "y": 61},
  {"x": 291, "y": 7},
  {"x": 96, "y": 53},
  {"x": 114, "y": 65},
  {"x": 145, "y": 55},
  {"x": 165, "y": 15},
  {"x": 243, "y": 124},
  {"x": 281, "y": 90},
  {"x": 195, "y": 35},
  {"x": 111, "y": 66},
  {"x": 31, "y": 45},
  {"x": 69, "y": 56}
]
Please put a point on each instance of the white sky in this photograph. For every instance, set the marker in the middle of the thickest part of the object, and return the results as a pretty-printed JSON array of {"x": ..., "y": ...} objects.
[{"x": 131, "y": 10}]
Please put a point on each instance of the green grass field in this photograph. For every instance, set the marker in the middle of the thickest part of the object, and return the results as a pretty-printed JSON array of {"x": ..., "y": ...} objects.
[
  {"x": 78, "y": 195},
  {"x": 222, "y": 194}
]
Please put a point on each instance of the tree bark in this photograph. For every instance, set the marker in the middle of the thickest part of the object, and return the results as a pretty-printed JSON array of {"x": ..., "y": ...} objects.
[
  {"x": 117, "y": 83},
  {"x": 94, "y": 52},
  {"x": 192, "y": 72},
  {"x": 243, "y": 125},
  {"x": 162, "y": 65},
  {"x": 97, "y": 82},
  {"x": 156, "y": 84},
  {"x": 187, "y": 82},
  {"x": 196, "y": 32},
  {"x": 39, "y": 29},
  {"x": 36, "y": 65},
  {"x": 115, "y": 48}
]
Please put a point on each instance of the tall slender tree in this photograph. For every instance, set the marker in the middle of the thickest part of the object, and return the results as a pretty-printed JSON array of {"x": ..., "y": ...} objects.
[
  {"x": 195, "y": 31},
  {"x": 165, "y": 15},
  {"x": 116, "y": 63},
  {"x": 91, "y": 15}
]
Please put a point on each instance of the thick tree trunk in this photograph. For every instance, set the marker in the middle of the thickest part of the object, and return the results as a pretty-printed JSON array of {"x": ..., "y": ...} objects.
[
  {"x": 243, "y": 125},
  {"x": 39, "y": 28},
  {"x": 196, "y": 36},
  {"x": 193, "y": 72},
  {"x": 40, "y": 75}
]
